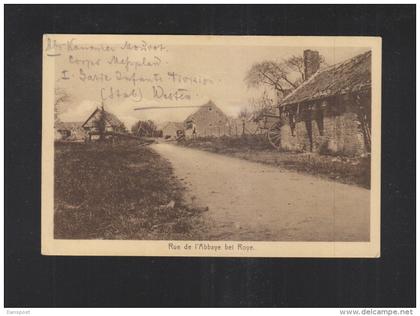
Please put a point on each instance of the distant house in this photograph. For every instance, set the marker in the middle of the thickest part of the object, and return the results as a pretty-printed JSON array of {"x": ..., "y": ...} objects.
[
  {"x": 69, "y": 131},
  {"x": 104, "y": 123},
  {"x": 170, "y": 129},
  {"x": 331, "y": 110},
  {"x": 59, "y": 131},
  {"x": 208, "y": 120}
]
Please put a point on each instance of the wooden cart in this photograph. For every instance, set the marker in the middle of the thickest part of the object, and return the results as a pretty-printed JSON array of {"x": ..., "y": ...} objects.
[{"x": 272, "y": 125}]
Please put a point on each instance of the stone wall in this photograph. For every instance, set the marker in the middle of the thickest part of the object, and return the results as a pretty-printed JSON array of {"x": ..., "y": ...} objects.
[{"x": 342, "y": 133}]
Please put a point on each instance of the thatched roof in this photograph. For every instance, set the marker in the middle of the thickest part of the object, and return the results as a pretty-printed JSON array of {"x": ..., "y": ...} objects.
[
  {"x": 110, "y": 118},
  {"x": 352, "y": 75}
]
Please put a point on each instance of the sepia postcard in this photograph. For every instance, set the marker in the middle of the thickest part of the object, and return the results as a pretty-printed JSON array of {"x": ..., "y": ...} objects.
[{"x": 230, "y": 146}]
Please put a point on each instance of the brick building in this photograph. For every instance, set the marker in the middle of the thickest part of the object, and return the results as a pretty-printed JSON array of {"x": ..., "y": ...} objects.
[
  {"x": 331, "y": 111},
  {"x": 208, "y": 120}
]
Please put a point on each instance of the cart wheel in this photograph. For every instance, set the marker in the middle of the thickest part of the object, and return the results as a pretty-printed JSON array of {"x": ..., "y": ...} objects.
[{"x": 274, "y": 135}]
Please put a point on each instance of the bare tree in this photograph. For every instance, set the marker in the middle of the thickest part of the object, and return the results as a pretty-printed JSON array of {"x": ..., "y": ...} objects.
[
  {"x": 244, "y": 113},
  {"x": 261, "y": 106},
  {"x": 278, "y": 75},
  {"x": 270, "y": 73},
  {"x": 296, "y": 64},
  {"x": 62, "y": 98},
  {"x": 145, "y": 128}
]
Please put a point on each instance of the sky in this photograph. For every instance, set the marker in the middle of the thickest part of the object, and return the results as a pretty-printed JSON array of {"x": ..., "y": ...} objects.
[{"x": 218, "y": 72}]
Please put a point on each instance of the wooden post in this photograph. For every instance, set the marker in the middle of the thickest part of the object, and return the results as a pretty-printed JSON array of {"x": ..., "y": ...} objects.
[
  {"x": 364, "y": 117},
  {"x": 308, "y": 124},
  {"x": 319, "y": 116}
]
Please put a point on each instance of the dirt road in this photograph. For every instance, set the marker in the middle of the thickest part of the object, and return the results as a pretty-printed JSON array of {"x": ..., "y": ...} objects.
[{"x": 252, "y": 201}]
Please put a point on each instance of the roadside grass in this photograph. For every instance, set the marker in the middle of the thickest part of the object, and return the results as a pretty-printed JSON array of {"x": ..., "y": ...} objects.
[
  {"x": 120, "y": 191},
  {"x": 350, "y": 170}
]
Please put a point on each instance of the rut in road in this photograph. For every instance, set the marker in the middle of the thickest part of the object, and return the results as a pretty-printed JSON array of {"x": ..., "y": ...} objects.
[{"x": 252, "y": 201}]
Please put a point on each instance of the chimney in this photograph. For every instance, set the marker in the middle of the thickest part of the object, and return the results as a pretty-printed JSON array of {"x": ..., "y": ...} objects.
[{"x": 310, "y": 62}]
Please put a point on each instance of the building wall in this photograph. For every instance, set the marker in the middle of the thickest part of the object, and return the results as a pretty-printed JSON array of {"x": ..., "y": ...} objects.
[
  {"x": 170, "y": 130},
  {"x": 57, "y": 134},
  {"x": 69, "y": 134},
  {"x": 342, "y": 134},
  {"x": 210, "y": 121}
]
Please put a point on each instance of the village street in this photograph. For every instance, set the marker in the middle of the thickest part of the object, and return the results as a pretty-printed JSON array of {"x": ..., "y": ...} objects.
[{"x": 252, "y": 201}]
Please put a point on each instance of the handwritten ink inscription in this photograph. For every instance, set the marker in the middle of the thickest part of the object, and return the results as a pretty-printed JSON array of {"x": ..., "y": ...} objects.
[{"x": 126, "y": 70}]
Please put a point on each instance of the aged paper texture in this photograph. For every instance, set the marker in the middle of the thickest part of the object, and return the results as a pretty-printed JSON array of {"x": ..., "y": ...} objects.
[{"x": 231, "y": 146}]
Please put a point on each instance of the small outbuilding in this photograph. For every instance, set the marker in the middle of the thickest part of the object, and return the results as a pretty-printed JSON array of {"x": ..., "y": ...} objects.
[
  {"x": 169, "y": 131},
  {"x": 69, "y": 131}
]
